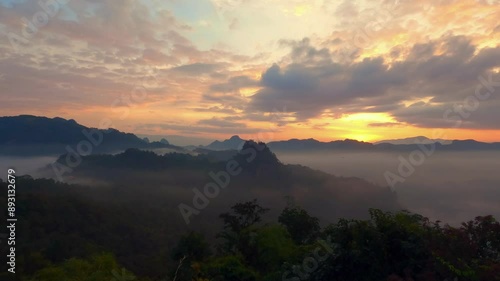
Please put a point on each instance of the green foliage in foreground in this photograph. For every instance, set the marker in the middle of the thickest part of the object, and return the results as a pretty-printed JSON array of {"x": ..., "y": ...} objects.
[
  {"x": 63, "y": 236},
  {"x": 96, "y": 268},
  {"x": 389, "y": 246}
]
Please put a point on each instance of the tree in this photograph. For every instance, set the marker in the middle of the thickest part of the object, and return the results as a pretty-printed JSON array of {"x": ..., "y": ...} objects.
[
  {"x": 189, "y": 252},
  {"x": 193, "y": 246},
  {"x": 96, "y": 268},
  {"x": 274, "y": 247},
  {"x": 229, "y": 268},
  {"x": 471, "y": 251},
  {"x": 239, "y": 228},
  {"x": 302, "y": 227},
  {"x": 244, "y": 215},
  {"x": 388, "y": 244}
]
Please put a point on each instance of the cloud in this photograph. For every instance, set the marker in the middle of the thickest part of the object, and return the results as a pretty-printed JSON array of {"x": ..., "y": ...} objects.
[
  {"x": 234, "y": 83},
  {"x": 386, "y": 124},
  {"x": 194, "y": 129},
  {"x": 197, "y": 68},
  {"x": 156, "y": 56},
  {"x": 422, "y": 59},
  {"x": 231, "y": 100},
  {"x": 446, "y": 70},
  {"x": 220, "y": 122},
  {"x": 215, "y": 109},
  {"x": 104, "y": 50}
]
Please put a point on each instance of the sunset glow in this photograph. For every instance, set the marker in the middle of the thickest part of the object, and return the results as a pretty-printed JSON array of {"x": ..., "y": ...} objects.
[{"x": 294, "y": 69}]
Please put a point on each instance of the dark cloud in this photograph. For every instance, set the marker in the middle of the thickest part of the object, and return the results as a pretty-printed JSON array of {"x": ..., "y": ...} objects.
[
  {"x": 293, "y": 79},
  {"x": 313, "y": 86},
  {"x": 303, "y": 52}
]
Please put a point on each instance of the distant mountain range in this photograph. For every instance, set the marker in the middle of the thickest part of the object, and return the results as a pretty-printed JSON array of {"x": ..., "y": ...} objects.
[
  {"x": 414, "y": 140},
  {"x": 178, "y": 140},
  {"x": 408, "y": 144},
  {"x": 34, "y": 135}
]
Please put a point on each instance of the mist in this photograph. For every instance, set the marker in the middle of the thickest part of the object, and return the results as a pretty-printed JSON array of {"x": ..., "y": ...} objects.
[
  {"x": 24, "y": 165},
  {"x": 449, "y": 186}
]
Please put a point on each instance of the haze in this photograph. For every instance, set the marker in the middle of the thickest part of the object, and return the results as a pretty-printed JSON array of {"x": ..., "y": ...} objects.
[{"x": 449, "y": 186}]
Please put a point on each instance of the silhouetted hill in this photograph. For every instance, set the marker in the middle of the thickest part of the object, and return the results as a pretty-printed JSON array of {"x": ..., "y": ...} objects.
[
  {"x": 235, "y": 142},
  {"x": 216, "y": 155},
  {"x": 310, "y": 145},
  {"x": 34, "y": 135},
  {"x": 455, "y": 145},
  {"x": 471, "y": 145},
  {"x": 258, "y": 171}
]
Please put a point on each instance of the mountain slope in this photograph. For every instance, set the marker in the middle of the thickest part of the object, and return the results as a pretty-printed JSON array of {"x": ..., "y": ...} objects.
[
  {"x": 258, "y": 173},
  {"x": 235, "y": 142},
  {"x": 33, "y": 135}
]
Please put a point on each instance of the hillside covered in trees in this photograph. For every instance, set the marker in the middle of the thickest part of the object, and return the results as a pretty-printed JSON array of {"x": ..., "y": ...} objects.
[
  {"x": 28, "y": 135},
  {"x": 71, "y": 232},
  {"x": 66, "y": 237},
  {"x": 123, "y": 217}
]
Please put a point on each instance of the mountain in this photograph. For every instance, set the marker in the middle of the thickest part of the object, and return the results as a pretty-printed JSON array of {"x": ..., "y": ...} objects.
[
  {"x": 312, "y": 144},
  {"x": 33, "y": 135},
  {"x": 455, "y": 145},
  {"x": 408, "y": 144},
  {"x": 415, "y": 140},
  {"x": 254, "y": 169},
  {"x": 178, "y": 140},
  {"x": 235, "y": 142},
  {"x": 463, "y": 145},
  {"x": 216, "y": 155}
]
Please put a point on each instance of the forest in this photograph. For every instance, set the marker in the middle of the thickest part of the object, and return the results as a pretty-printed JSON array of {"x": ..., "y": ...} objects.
[{"x": 65, "y": 233}]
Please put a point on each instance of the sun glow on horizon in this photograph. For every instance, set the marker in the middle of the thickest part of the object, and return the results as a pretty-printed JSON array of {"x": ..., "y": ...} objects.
[{"x": 365, "y": 70}]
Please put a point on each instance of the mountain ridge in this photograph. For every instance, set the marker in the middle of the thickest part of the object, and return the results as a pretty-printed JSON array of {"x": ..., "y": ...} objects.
[
  {"x": 350, "y": 144},
  {"x": 39, "y": 135}
]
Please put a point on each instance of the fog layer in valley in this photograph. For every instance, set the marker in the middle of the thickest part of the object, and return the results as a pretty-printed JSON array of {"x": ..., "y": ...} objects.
[
  {"x": 24, "y": 165},
  {"x": 448, "y": 186}
]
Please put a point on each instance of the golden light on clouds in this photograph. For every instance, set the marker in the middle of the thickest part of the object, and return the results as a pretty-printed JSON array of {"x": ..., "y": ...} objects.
[
  {"x": 408, "y": 103},
  {"x": 363, "y": 118},
  {"x": 248, "y": 92},
  {"x": 210, "y": 62}
]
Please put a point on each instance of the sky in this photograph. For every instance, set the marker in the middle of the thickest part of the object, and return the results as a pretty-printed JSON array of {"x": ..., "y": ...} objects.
[{"x": 261, "y": 69}]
